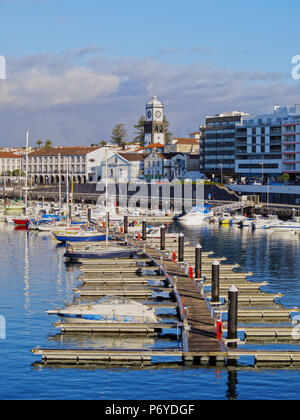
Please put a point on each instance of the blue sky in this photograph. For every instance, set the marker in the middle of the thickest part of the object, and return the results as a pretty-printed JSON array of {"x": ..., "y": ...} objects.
[{"x": 197, "y": 57}]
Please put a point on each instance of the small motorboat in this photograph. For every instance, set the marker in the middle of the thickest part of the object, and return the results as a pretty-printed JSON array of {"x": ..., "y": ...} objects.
[
  {"x": 226, "y": 219},
  {"x": 196, "y": 215},
  {"x": 108, "y": 252},
  {"x": 290, "y": 225},
  {"x": 107, "y": 310},
  {"x": 79, "y": 236},
  {"x": 22, "y": 221},
  {"x": 154, "y": 233}
]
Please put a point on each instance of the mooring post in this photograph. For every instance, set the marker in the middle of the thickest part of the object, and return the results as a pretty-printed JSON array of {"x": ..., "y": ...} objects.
[
  {"x": 181, "y": 247},
  {"x": 125, "y": 224},
  {"x": 215, "y": 282},
  {"x": 144, "y": 230},
  {"x": 161, "y": 265},
  {"x": 232, "y": 315},
  {"x": 163, "y": 238},
  {"x": 106, "y": 228},
  {"x": 198, "y": 261}
]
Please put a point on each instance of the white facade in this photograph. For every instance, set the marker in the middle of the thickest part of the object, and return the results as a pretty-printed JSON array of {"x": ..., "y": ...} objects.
[
  {"x": 122, "y": 167},
  {"x": 265, "y": 144},
  {"x": 79, "y": 164},
  {"x": 9, "y": 163},
  {"x": 165, "y": 165}
]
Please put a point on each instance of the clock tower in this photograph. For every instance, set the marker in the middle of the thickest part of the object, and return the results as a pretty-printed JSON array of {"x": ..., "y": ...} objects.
[{"x": 154, "y": 123}]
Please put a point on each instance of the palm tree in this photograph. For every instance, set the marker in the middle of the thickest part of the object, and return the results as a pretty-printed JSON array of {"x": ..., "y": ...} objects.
[
  {"x": 48, "y": 143},
  {"x": 39, "y": 143}
]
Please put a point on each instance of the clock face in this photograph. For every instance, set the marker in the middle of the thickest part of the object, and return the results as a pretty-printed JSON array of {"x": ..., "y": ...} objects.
[
  {"x": 158, "y": 114},
  {"x": 149, "y": 114}
]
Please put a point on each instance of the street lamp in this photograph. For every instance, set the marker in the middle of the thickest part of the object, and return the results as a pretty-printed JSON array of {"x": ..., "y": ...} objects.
[
  {"x": 262, "y": 173},
  {"x": 221, "y": 165}
]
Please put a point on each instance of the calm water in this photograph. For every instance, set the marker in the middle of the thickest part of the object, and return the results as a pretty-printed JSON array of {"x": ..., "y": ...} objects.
[{"x": 34, "y": 278}]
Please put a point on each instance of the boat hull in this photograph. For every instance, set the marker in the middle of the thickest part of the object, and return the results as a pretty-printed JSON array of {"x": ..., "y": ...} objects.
[
  {"x": 70, "y": 238},
  {"x": 21, "y": 222},
  {"x": 74, "y": 256}
]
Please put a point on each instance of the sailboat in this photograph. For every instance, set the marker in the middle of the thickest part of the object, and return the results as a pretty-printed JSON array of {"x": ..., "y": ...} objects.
[{"x": 24, "y": 221}]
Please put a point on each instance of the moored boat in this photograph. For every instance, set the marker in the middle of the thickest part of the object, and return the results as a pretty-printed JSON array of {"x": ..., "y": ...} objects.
[
  {"x": 107, "y": 310},
  {"x": 22, "y": 221},
  {"x": 79, "y": 236},
  {"x": 196, "y": 215},
  {"x": 108, "y": 252}
]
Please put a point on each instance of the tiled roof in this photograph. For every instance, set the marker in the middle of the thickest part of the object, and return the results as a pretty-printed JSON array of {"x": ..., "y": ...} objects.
[
  {"x": 155, "y": 146},
  {"x": 132, "y": 156},
  {"x": 8, "y": 155},
  {"x": 179, "y": 140},
  {"x": 64, "y": 151}
]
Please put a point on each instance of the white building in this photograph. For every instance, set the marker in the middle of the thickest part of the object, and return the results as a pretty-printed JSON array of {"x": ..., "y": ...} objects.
[
  {"x": 79, "y": 164},
  {"x": 9, "y": 163},
  {"x": 259, "y": 144},
  {"x": 291, "y": 143},
  {"x": 165, "y": 165},
  {"x": 123, "y": 167}
]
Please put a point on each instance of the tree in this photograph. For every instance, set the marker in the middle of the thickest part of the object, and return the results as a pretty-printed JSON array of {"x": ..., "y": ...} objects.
[
  {"x": 168, "y": 134},
  {"x": 48, "y": 143},
  {"x": 140, "y": 131},
  {"x": 118, "y": 135},
  {"x": 102, "y": 143},
  {"x": 39, "y": 143}
]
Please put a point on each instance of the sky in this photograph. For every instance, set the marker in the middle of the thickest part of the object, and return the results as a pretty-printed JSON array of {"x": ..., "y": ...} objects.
[{"x": 75, "y": 69}]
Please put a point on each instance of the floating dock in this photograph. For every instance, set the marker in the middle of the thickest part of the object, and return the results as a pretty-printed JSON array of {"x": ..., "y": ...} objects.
[{"x": 196, "y": 322}]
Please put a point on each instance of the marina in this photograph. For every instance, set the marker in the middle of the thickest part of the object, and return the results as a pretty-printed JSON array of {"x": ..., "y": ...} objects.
[
  {"x": 186, "y": 337},
  {"x": 194, "y": 283}
]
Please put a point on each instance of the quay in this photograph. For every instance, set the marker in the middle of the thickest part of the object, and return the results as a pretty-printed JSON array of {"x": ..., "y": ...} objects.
[{"x": 201, "y": 292}]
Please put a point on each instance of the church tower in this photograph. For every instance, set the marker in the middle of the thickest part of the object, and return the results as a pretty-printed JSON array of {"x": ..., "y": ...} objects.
[{"x": 154, "y": 123}]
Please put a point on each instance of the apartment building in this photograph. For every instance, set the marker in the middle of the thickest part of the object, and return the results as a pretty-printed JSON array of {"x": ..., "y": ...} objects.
[
  {"x": 217, "y": 146},
  {"x": 266, "y": 144}
]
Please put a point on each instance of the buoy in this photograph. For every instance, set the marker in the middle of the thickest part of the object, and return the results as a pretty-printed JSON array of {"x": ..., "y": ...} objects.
[{"x": 174, "y": 257}]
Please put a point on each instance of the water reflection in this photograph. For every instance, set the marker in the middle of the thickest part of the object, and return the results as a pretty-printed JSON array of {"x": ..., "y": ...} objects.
[{"x": 232, "y": 383}]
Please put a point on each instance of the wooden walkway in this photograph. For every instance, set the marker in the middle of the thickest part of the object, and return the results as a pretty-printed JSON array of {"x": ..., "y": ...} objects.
[{"x": 201, "y": 339}]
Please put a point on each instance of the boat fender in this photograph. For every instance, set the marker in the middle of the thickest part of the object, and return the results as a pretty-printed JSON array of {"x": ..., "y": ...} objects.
[{"x": 219, "y": 329}]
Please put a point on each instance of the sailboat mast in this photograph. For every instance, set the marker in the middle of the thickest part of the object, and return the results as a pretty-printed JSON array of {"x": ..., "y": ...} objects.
[
  {"x": 26, "y": 172},
  {"x": 59, "y": 182}
]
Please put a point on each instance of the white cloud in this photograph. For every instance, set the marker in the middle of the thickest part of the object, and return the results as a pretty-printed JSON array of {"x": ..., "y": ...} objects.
[
  {"x": 77, "y": 96},
  {"x": 39, "y": 88}
]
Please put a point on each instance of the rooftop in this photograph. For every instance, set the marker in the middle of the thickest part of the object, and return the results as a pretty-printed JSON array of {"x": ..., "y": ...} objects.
[
  {"x": 64, "y": 151},
  {"x": 9, "y": 155}
]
